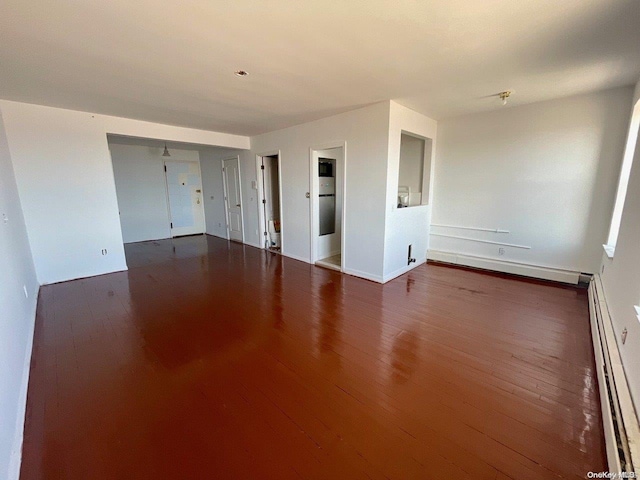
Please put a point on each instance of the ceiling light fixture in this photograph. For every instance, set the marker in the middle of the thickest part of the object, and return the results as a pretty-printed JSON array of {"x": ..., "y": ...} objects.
[
  {"x": 504, "y": 95},
  {"x": 241, "y": 73},
  {"x": 166, "y": 151}
]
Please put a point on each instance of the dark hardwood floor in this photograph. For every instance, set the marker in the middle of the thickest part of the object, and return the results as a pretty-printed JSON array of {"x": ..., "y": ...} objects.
[{"x": 210, "y": 359}]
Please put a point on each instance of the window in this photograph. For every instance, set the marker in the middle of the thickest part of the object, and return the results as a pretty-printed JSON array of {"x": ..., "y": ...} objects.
[
  {"x": 414, "y": 171},
  {"x": 623, "y": 182}
]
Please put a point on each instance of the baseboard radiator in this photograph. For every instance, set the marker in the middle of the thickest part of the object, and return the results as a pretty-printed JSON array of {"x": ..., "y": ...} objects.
[{"x": 620, "y": 421}]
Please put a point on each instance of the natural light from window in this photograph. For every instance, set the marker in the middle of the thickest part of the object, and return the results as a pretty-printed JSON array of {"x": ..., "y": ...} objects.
[{"x": 623, "y": 183}]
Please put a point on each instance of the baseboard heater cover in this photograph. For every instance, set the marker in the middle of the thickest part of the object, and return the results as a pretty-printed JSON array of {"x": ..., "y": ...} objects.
[
  {"x": 619, "y": 418},
  {"x": 515, "y": 268}
]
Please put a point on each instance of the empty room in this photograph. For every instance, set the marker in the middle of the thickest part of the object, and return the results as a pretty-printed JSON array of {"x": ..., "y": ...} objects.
[{"x": 320, "y": 240}]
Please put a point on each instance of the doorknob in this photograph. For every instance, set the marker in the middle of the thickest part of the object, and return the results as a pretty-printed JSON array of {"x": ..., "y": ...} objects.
[
  {"x": 308, "y": 195},
  {"x": 237, "y": 204}
]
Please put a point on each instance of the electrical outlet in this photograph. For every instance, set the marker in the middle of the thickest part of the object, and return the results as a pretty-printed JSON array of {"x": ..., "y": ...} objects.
[
  {"x": 5, "y": 219},
  {"x": 219, "y": 224},
  {"x": 26, "y": 293},
  {"x": 104, "y": 251},
  {"x": 624, "y": 336},
  {"x": 501, "y": 251}
]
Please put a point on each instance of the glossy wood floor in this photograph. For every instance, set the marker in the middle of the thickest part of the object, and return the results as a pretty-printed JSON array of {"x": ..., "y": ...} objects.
[{"x": 210, "y": 359}]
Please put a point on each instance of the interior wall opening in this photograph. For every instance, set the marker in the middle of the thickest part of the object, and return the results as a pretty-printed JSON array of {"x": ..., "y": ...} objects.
[
  {"x": 158, "y": 187},
  {"x": 269, "y": 179},
  {"x": 233, "y": 198},
  {"x": 414, "y": 170},
  {"x": 328, "y": 177}
]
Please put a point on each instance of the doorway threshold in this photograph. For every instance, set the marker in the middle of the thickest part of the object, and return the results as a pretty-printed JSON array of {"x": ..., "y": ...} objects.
[{"x": 333, "y": 263}]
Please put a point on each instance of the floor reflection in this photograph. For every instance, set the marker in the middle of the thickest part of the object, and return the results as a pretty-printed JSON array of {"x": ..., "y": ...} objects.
[
  {"x": 211, "y": 356},
  {"x": 404, "y": 356},
  {"x": 330, "y": 316}
]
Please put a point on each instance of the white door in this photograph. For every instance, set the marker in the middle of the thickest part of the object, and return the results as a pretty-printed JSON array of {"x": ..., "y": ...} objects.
[
  {"x": 184, "y": 192},
  {"x": 233, "y": 198}
]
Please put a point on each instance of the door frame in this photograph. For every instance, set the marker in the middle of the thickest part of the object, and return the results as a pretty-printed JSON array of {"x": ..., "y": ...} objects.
[
  {"x": 166, "y": 191},
  {"x": 226, "y": 199},
  {"x": 262, "y": 221},
  {"x": 313, "y": 199}
]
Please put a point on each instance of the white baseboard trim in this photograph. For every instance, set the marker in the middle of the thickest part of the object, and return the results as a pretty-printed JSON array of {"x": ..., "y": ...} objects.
[
  {"x": 216, "y": 235},
  {"x": 365, "y": 275},
  {"x": 526, "y": 270},
  {"x": 43, "y": 283},
  {"x": 619, "y": 419},
  {"x": 15, "y": 459},
  {"x": 255, "y": 245},
  {"x": 295, "y": 257},
  {"x": 403, "y": 270}
]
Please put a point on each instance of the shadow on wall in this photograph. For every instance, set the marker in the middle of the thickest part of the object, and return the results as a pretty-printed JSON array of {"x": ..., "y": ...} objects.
[{"x": 612, "y": 144}]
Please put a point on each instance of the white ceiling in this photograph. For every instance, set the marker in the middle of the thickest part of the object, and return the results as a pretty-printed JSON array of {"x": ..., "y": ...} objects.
[{"x": 172, "y": 61}]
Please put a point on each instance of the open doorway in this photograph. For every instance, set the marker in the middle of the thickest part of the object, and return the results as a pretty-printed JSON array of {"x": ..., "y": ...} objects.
[
  {"x": 233, "y": 198},
  {"x": 328, "y": 185},
  {"x": 269, "y": 189}
]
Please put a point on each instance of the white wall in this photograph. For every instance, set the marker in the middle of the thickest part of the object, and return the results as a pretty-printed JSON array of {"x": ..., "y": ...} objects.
[
  {"x": 366, "y": 134},
  {"x": 406, "y": 226},
  {"x": 64, "y": 176},
  {"x": 621, "y": 277},
  {"x": 17, "y": 313},
  {"x": 66, "y": 184},
  {"x": 213, "y": 190},
  {"x": 546, "y": 172},
  {"x": 141, "y": 190},
  {"x": 377, "y": 235}
]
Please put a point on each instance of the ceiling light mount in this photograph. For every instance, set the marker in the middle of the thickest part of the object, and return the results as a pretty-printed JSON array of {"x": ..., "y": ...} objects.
[
  {"x": 504, "y": 95},
  {"x": 166, "y": 151},
  {"x": 241, "y": 73}
]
